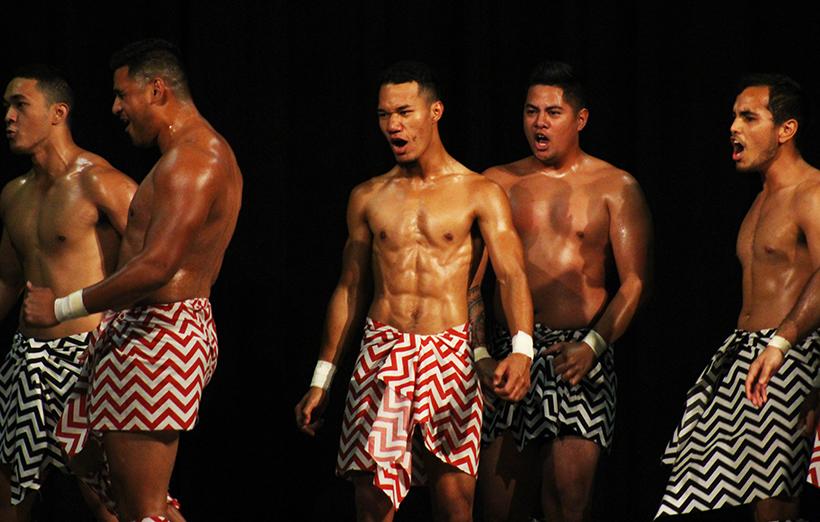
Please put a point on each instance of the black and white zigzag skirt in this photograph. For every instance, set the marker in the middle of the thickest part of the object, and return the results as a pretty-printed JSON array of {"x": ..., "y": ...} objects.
[
  {"x": 552, "y": 407},
  {"x": 35, "y": 381},
  {"x": 725, "y": 451}
]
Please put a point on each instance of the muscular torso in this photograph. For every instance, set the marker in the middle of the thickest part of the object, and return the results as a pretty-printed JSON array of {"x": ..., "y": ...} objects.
[
  {"x": 61, "y": 239},
  {"x": 202, "y": 259},
  {"x": 422, "y": 250},
  {"x": 774, "y": 257},
  {"x": 564, "y": 223}
]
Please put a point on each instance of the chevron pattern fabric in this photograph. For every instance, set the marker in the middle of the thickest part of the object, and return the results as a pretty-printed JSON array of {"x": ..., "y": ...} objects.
[
  {"x": 402, "y": 381},
  {"x": 148, "y": 368},
  {"x": 814, "y": 464},
  {"x": 36, "y": 379},
  {"x": 725, "y": 451},
  {"x": 553, "y": 407}
]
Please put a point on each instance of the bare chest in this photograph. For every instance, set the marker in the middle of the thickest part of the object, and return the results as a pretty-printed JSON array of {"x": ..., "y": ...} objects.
[
  {"x": 425, "y": 218},
  {"x": 48, "y": 219},
  {"x": 546, "y": 208},
  {"x": 769, "y": 232}
]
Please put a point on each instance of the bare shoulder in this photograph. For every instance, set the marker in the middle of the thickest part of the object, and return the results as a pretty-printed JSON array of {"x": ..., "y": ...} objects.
[
  {"x": 507, "y": 173},
  {"x": 12, "y": 189},
  {"x": 95, "y": 174},
  {"x": 608, "y": 175},
  {"x": 807, "y": 195},
  {"x": 200, "y": 154}
]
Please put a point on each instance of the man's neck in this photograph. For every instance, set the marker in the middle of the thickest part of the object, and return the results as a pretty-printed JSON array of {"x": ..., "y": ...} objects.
[
  {"x": 176, "y": 119},
  {"x": 52, "y": 159}
]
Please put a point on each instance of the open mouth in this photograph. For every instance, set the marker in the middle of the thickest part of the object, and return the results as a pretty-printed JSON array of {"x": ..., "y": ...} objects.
[
  {"x": 737, "y": 149},
  {"x": 541, "y": 141},
  {"x": 398, "y": 142}
]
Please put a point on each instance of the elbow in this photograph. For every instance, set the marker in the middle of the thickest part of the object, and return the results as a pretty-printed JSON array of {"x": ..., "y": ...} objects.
[{"x": 157, "y": 273}]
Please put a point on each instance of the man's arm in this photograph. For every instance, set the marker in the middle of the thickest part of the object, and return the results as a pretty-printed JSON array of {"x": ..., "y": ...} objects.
[
  {"x": 346, "y": 307},
  {"x": 183, "y": 190},
  {"x": 630, "y": 235},
  {"x": 804, "y": 317},
  {"x": 512, "y": 376},
  {"x": 111, "y": 191},
  {"x": 11, "y": 275}
]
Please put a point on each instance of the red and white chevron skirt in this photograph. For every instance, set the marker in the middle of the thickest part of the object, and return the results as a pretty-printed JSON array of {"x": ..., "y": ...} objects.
[
  {"x": 814, "y": 464},
  {"x": 402, "y": 381},
  {"x": 147, "y": 369}
]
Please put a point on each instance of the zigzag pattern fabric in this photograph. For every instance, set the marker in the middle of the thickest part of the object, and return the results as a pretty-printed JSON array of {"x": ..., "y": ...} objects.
[
  {"x": 402, "y": 381},
  {"x": 725, "y": 451},
  {"x": 147, "y": 369},
  {"x": 553, "y": 407},
  {"x": 36, "y": 379},
  {"x": 814, "y": 463}
]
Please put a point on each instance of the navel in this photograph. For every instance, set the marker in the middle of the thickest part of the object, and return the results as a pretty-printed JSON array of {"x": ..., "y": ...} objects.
[{"x": 448, "y": 236}]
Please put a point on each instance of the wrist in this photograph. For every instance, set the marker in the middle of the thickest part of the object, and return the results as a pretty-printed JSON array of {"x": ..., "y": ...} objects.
[
  {"x": 522, "y": 343},
  {"x": 323, "y": 374},
  {"x": 597, "y": 343},
  {"x": 70, "y": 306},
  {"x": 480, "y": 352},
  {"x": 780, "y": 343}
]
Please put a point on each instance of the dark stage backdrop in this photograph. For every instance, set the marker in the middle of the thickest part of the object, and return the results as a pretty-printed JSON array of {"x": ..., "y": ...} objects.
[{"x": 290, "y": 85}]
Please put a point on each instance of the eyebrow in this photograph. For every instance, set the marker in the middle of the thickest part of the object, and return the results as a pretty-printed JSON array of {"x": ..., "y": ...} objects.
[
  {"x": 400, "y": 108},
  {"x": 528, "y": 105}
]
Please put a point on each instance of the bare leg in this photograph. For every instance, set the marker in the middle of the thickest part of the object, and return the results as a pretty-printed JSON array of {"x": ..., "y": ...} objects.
[
  {"x": 141, "y": 464},
  {"x": 452, "y": 491},
  {"x": 372, "y": 505},
  {"x": 569, "y": 473},
  {"x": 777, "y": 509},
  {"x": 7, "y": 511},
  {"x": 95, "y": 505},
  {"x": 508, "y": 481}
]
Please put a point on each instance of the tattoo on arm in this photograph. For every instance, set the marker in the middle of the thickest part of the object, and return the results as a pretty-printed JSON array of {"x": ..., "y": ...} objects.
[{"x": 475, "y": 308}]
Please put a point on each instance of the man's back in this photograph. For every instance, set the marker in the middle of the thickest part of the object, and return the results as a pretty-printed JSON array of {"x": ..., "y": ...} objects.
[{"x": 199, "y": 171}]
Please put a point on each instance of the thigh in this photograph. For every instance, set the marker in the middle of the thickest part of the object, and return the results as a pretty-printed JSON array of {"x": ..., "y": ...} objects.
[
  {"x": 508, "y": 480},
  {"x": 372, "y": 505},
  {"x": 140, "y": 464},
  {"x": 570, "y": 464},
  {"x": 451, "y": 490}
]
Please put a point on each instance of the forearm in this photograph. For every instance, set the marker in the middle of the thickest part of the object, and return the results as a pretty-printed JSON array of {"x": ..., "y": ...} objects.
[
  {"x": 128, "y": 285},
  {"x": 516, "y": 301},
  {"x": 344, "y": 314},
  {"x": 475, "y": 310},
  {"x": 620, "y": 310},
  {"x": 804, "y": 317}
]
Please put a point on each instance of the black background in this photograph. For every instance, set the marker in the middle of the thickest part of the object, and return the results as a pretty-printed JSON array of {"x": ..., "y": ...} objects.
[{"x": 290, "y": 85}]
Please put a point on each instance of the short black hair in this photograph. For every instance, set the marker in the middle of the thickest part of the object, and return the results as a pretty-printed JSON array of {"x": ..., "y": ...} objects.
[
  {"x": 559, "y": 74},
  {"x": 407, "y": 71},
  {"x": 154, "y": 57},
  {"x": 787, "y": 99},
  {"x": 50, "y": 81}
]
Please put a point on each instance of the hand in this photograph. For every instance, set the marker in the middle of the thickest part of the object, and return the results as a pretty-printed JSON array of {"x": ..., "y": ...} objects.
[
  {"x": 485, "y": 368},
  {"x": 810, "y": 412},
  {"x": 511, "y": 380},
  {"x": 761, "y": 370},
  {"x": 572, "y": 361},
  {"x": 309, "y": 410},
  {"x": 38, "y": 306}
]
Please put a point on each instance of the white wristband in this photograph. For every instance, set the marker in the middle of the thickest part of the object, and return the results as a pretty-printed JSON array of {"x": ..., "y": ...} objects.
[
  {"x": 323, "y": 374},
  {"x": 780, "y": 343},
  {"x": 522, "y": 343},
  {"x": 594, "y": 340},
  {"x": 70, "y": 306},
  {"x": 480, "y": 352}
]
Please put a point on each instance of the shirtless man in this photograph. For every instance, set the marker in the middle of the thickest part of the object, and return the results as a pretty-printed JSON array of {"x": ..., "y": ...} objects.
[
  {"x": 180, "y": 222},
  {"x": 417, "y": 227},
  {"x": 764, "y": 461},
  {"x": 576, "y": 215},
  {"x": 62, "y": 225}
]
